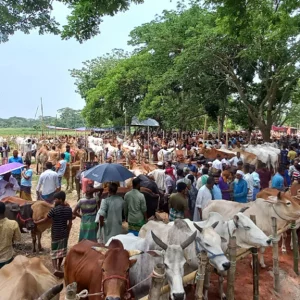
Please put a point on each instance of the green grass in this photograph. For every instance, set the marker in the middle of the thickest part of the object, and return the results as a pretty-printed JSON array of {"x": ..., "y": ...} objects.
[{"x": 33, "y": 132}]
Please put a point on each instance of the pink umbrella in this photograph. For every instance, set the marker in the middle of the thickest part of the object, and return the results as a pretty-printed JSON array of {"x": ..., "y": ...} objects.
[{"x": 10, "y": 167}]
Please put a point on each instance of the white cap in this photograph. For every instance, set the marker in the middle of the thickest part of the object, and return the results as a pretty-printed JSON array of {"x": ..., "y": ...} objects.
[
  {"x": 160, "y": 163},
  {"x": 240, "y": 172}
]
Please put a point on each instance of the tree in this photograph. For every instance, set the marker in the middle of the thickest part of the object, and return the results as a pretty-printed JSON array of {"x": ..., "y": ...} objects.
[
  {"x": 255, "y": 47},
  {"x": 69, "y": 118},
  {"x": 82, "y": 24}
]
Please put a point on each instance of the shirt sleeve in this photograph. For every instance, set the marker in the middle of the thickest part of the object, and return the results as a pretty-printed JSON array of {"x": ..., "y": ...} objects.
[
  {"x": 51, "y": 213},
  {"x": 199, "y": 199},
  {"x": 40, "y": 182},
  {"x": 103, "y": 208},
  {"x": 126, "y": 206},
  {"x": 16, "y": 186},
  {"x": 17, "y": 233},
  {"x": 57, "y": 182}
]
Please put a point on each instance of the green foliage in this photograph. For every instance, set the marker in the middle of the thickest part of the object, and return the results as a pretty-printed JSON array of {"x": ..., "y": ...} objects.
[
  {"x": 82, "y": 24},
  {"x": 67, "y": 118},
  {"x": 234, "y": 58}
]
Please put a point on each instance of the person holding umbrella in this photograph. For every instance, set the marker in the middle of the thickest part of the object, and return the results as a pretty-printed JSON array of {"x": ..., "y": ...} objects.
[
  {"x": 8, "y": 185},
  {"x": 135, "y": 208}
]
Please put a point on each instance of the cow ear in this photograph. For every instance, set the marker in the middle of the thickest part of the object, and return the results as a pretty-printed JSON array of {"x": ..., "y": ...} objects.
[
  {"x": 132, "y": 262},
  {"x": 236, "y": 218},
  {"x": 223, "y": 240},
  {"x": 155, "y": 253}
]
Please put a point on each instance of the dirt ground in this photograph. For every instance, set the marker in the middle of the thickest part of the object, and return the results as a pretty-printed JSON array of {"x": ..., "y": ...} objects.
[{"x": 290, "y": 282}]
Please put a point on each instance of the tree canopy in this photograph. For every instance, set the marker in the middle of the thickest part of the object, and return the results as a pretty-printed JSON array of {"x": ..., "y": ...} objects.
[
  {"x": 82, "y": 23},
  {"x": 234, "y": 58}
]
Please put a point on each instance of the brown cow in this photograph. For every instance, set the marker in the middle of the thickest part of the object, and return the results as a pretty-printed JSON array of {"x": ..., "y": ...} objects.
[
  {"x": 269, "y": 192},
  {"x": 109, "y": 268},
  {"x": 26, "y": 278},
  {"x": 40, "y": 211}
]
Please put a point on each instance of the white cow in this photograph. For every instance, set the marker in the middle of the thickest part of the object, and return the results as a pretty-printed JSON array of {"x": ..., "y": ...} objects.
[
  {"x": 172, "y": 256},
  {"x": 282, "y": 209},
  {"x": 247, "y": 235}
]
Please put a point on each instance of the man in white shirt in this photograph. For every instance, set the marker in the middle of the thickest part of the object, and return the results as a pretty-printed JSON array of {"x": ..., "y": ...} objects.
[
  {"x": 233, "y": 161},
  {"x": 217, "y": 165},
  {"x": 203, "y": 197},
  {"x": 8, "y": 186},
  {"x": 159, "y": 176},
  {"x": 49, "y": 183},
  {"x": 250, "y": 182},
  {"x": 225, "y": 160},
  {"x": 33, "y": 149}
]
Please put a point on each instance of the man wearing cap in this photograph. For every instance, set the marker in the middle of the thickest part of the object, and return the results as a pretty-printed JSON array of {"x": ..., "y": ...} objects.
[
  {"x": 240, "y": 188},
  {"x": 8, "y": 186},
  {"x": 159, "y": 176}
]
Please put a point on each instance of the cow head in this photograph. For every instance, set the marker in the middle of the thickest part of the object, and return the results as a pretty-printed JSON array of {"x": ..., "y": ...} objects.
[
  {"x": 174, "y": 260},
  {"x": 209, "y": 241},
  {"x": 115, "y": 269},
  {"x": 247, "y": 233},
  {"x": 284, "y": 207}
]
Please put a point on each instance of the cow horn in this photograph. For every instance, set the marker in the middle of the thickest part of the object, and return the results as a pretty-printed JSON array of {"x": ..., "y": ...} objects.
[
  {"x": 134, "y": 252},
  {"x": 215, "y": 225},
  {"x": 51, "y": 293},
  {"x": 158, "y": 241},
  {"x": 198, "y": 228},
  {"x": 102, "y": 250},
  {"x": 243, "y": 209},
  {"x": 189, "y": 240},
  {"x": 279, "y": 196}
]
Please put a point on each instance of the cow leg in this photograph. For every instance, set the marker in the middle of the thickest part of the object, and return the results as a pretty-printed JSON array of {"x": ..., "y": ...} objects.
[
  {"x": 39, "y": 237},
  {"x": 262, "y": 260},
  {"x": 221, "y": 290},
  {"x": 283, "y": 246},
  {"x": 72, "y": 183},
  {"x": 37, "y": 168},
  {"x": 33, "y": 236},
  {"x": 206, "y": 281}
]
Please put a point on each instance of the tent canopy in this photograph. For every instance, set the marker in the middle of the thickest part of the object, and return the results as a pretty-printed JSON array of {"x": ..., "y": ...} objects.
[
  {"x": 58, "y": 128},
  {"x": 147, "y": 123}
]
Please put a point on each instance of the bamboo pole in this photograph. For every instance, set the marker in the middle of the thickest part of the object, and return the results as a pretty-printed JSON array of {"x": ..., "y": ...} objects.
[
  {"x": 204, "y": 132},
  {"x": 71, "y": 291},
  {"x": 295, "y": 247},
  {"x": 231, "y": 272},
  {"x": 157, "y": 282},
  {"x": 219, "y": 128},
  {"x": 226, "y": 132},
  {"x": 255, "y": 268},
  {"x": 275, "y": 255},
  {"x": 202, "y": 257},
  {"x": 165, "y": 289},
  {"x": 42, "y": 111}
]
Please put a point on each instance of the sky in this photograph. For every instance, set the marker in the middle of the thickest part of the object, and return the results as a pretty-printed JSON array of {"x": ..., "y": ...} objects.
[{"x": 34, "y": 66}]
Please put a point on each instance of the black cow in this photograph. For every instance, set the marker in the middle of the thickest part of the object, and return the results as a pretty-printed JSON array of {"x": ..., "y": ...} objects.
[{"x": 21, "y": 214}]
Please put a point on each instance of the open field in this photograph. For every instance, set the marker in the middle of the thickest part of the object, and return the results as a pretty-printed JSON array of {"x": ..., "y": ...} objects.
[{"x": 30, "y": 131}]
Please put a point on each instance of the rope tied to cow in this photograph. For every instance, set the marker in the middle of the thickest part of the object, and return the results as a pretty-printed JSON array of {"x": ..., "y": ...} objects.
[{"x": 85, "y": 293}]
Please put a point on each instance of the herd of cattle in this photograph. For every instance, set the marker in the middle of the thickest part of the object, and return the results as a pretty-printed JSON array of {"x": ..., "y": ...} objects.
[{"x": 123, "y": 267}]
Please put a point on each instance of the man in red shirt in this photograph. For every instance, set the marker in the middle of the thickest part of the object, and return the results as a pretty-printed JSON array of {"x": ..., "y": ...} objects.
[{"x": 265, "y": 176}]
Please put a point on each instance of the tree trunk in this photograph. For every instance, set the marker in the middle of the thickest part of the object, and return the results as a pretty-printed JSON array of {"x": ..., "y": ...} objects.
[{"x": 266, "y": 132}]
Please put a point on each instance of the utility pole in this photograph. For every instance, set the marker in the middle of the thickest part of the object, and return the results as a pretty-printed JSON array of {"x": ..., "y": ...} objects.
[{"x": 42, "y": 110}]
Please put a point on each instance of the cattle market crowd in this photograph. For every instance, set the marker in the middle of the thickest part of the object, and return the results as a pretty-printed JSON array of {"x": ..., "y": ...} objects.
[{"x": 144, "y": 193}]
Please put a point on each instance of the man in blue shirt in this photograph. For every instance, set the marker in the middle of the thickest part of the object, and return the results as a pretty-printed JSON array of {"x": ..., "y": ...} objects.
[
  {"x": 16, "y": 173},
  {"x": 278, "y": 179},
  {"x": 67, "y": 154},
  {"x": 284, "y": 155},
  {"x": 192, "y": 167},
  {"x": 240, "y": 188}
]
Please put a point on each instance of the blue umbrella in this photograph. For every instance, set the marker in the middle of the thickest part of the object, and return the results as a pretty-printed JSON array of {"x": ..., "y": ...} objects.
[{"x": 108, "y": 172}]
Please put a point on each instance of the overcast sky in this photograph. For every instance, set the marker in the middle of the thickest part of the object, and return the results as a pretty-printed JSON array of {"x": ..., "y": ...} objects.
[{"x": 34, "y": 66}]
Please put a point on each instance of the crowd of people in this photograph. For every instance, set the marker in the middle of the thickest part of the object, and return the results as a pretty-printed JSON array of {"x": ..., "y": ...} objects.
[{"x": 185, "y": 187}]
